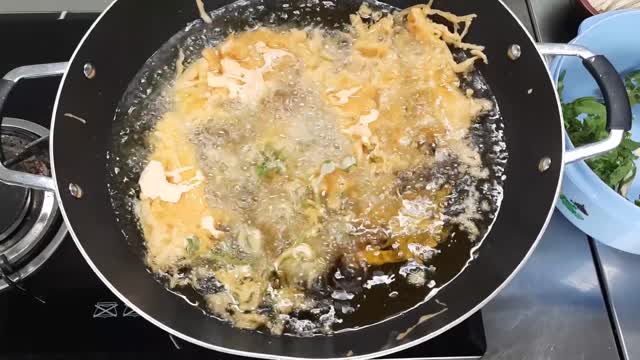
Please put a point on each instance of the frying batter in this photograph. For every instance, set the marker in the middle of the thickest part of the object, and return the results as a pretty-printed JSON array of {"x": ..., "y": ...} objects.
[{"x": 288, "y": 151}]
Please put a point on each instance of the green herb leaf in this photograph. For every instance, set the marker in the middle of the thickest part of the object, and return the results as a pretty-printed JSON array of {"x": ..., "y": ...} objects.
[
  {"x": 632, "y": 84},
  {"x": 272, "y": 162},
  {"x": 626, "y": 182},
  {"x": 261, "y": 169},
  {"x": 585, "y": 120},
  {"x": 221, "y": 258},
  {"x": 193, "y": 245},
  {"x": 629, "y": 144},
  {"x": 563, "y": 73},
  {"x": 619, "y": 174},
  {"x": 327, "y": 168},
  {"x": 347, "y": 163}
]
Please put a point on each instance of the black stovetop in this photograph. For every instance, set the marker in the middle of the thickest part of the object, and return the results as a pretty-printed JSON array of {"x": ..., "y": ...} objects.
[{"x": 81, "y": 318}]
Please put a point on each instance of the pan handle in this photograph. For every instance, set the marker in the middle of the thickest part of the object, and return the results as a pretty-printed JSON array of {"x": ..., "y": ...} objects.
[
  {"x": 7, "y": 83},
  {"x": 615, "y": 98}
]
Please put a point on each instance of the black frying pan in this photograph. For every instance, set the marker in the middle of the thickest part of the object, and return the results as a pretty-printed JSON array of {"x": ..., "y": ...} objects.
[{"x": 130, "y": 31}]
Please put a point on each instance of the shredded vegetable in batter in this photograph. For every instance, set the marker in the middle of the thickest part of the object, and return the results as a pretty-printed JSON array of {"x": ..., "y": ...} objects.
[{"x": 288, "y": 151}]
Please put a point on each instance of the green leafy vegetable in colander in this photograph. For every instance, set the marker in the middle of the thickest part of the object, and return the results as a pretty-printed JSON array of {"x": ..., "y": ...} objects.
[
  {"x": 632, "y": 83},
  {"x": 585, "y": 121}
]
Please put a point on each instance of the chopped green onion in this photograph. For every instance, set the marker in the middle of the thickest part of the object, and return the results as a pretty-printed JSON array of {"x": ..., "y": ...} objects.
[{"x": 193, "y": 245}]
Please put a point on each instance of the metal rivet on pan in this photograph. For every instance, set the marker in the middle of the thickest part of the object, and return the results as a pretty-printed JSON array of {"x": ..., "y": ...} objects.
[
  {"x": 514, "y": 52},
  {"x": 89, "y": 70},
  {"x": 75, "y": 190},
  {"x": 544, "y": 164}
]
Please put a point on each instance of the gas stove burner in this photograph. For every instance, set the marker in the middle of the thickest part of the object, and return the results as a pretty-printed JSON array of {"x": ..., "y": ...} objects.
[
  {"x": 30, "y": 227},
  {"x": 13, "y": 208}
]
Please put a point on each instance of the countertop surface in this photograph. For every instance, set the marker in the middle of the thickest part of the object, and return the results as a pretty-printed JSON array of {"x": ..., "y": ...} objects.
[{"x": 554, "y": 308}]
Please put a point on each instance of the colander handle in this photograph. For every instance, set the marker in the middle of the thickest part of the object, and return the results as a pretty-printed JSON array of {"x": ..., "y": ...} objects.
[
  {"x": 615, "y": 98},
  {"x": 19, "y": 178}
]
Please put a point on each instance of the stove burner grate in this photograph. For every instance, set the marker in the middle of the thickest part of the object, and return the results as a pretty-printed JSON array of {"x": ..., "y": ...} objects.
[{"x": 30, "y": 226}]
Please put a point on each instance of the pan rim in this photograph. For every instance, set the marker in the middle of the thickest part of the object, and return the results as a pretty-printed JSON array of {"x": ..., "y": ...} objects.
[{"x": 209, "y": 346}]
